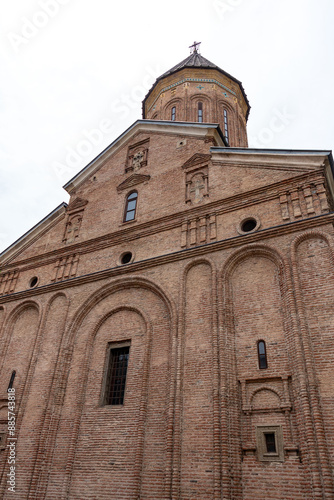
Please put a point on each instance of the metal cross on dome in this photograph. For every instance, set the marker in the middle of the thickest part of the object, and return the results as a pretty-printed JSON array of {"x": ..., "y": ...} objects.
[{"x": 194, "y": 47}]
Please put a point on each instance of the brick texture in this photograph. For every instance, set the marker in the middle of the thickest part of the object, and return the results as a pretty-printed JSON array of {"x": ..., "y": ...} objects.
[{"x": 197, "y": 296}]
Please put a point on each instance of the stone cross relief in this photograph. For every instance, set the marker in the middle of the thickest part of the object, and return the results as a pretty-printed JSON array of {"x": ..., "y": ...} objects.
[
  {"x": 72, "y": 229},
  {"x": 137, "y": 160},
  {"x": 197, "y": 189}
]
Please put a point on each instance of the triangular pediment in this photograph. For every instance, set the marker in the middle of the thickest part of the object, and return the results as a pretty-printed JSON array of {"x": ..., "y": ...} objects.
[
  {"x": 198, "y": 130},
  {"x": 76, "y": 204},
  {"x": 196, "y": 159},
  {"x": 133, "y": 180}
]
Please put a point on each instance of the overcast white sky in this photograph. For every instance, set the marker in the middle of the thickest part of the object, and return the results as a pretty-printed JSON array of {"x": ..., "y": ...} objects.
[{"x": 72, "y": 67}]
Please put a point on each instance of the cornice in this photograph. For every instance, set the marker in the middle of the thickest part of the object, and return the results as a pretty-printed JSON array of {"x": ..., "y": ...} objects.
[
  {"x": 271, "y": 158},
  {"x": 240, "y": 240},
  {"x": 172, "y": 221}
]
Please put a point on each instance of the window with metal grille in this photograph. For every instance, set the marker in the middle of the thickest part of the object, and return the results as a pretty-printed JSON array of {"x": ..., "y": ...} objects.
[
  {"x": 130, "y": 207},
  {"x": 11, "y": 382},
  {"x": 270, "y": 442},
  {"x": 173, "y": 114},
  {"x": 116, "y": 375},
  {"x": 200, "y": 112},
  {"x": 225, "y": 125},
  {"x": 262, "y": 354}
]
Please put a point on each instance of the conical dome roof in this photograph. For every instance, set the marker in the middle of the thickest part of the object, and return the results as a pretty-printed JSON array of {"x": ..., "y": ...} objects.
[{"x": 195, "y": 60}]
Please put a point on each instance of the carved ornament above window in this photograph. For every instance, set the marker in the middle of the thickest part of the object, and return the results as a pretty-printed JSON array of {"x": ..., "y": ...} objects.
[{"x": 137, "y": 156}]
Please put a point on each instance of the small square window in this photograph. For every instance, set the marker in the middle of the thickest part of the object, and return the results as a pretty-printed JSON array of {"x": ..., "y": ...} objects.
[
  {"x": 270, "y": 443},
  {"x": 115, "y": 374}
]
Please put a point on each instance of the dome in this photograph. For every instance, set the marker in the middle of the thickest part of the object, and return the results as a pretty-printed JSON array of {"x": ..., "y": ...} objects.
[{"x": 197, "y": 90}]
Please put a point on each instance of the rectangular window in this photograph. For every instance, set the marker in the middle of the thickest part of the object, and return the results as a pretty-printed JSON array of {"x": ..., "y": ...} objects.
[
  {"x": 118, "y": 358},
  {"x": 262, "y": 354},
  {"x": 270, "y": 443}
]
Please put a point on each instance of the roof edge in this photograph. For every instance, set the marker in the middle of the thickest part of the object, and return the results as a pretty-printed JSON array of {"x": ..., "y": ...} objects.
[
  {"x": 32, "y": 233},
  {"x": 325, "y": 152},
  {"x": 163, "y": 123}
]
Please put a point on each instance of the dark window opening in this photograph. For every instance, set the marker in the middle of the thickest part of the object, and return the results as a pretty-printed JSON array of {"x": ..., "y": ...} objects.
[
  {"x": 248, "y": 225},
  {"x": 126, "y": 258},
  {"x": 225, "y": 125},
  {"x": 11, "y": 382},
  {"x": 270, "y": 442},
  {"x": 33, "y": 282},
  {"x": 200, "y": 112},
  {"x": 131, "y": 204},
  {"x": 173, "y": 114},
  {"x": 116, "y": 376},
  {"x": 262, "y": 354}
]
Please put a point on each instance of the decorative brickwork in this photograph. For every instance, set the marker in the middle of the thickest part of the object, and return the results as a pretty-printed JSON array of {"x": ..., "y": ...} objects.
[
  {"x": 230, "y": 258},
  {"x": 65, "y": 268},
  {"x": 8, "y": 282}
]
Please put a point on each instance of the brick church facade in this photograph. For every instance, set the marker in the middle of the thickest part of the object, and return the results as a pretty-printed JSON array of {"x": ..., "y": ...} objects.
[{"x": 169, "y": 334}]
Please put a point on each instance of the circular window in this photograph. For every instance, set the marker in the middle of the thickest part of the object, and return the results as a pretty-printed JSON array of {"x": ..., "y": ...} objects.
[
  {"x": 248, "y": 225},
  {"x": 33, "y": 282},
  {"x": 126, "y": 258}
]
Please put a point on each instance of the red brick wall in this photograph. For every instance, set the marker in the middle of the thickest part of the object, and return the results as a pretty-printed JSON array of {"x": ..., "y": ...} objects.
[{"x": 194, "y": 302}]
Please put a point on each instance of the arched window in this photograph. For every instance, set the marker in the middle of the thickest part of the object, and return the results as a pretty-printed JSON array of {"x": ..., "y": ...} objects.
[
  {"x": 130, "y": 207},
  {"x": 226, "y": 125},
  {"x": 262, "y": 354},
  {"x": 173, "y": 117},
  {"x": 11, "y": 382},
  {"x": 200, "y": 112}
]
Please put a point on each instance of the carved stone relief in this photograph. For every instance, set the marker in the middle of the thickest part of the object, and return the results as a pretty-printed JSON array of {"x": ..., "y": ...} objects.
[
  {"x": 75, "y": 212},
  {"x": 197, "y": 178},
  {"x": 197, "y": 186},
  {"x": 137, "y": 156},
  {"x": 72, "y": 228}
]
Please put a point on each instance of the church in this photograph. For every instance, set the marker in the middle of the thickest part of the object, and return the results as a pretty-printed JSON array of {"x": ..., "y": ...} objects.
[{"x": 169, "y": 333}]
